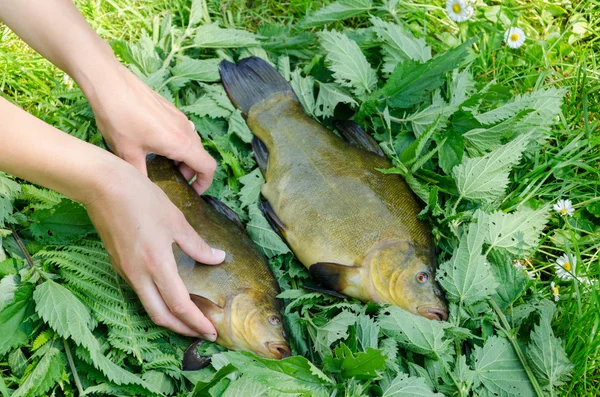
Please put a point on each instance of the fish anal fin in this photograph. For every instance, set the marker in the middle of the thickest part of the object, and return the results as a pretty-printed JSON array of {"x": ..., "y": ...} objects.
[
  {"x": 221, "y": 208},
  {"x": 324, "y": 291},
  {"x": 273, "y": 219},
  {"x": 332, "y": 275},
  {"x": 357, "y": 136},
  {"x": 261, "y": 154},
  {"x": 192, "y": 360}
]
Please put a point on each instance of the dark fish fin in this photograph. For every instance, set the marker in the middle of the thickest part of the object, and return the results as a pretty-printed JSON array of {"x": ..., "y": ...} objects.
[
  {"x": 324, "y": 291},
  {"x": 272, "y": 218},
  {"x": 261, "y": 154},
  {"x": 149, "y": 156},
  {"x": 221, "y": 208},
  {"x": 192, "y": 360},
  {"x": 357, "y": 136},
  {"x": 206, "y": 306},
  {"x": 251, "y": 81},
  {"x": 331, "y": 275}
]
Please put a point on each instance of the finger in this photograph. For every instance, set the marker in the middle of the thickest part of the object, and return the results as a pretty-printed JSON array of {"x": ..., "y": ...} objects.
[
  {"x": 186, "y": 171},
  {"x": 193, "y": 245},
  {"x": 138, "y": 160},
  {"x": 158, "y": 310},
  {"x": 177, "y": 298},
  {"x": 202, "y": 163}
]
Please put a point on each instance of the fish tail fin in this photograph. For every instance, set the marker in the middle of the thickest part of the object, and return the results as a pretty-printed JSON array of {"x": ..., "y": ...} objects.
[{"x": 251, "y": 81}]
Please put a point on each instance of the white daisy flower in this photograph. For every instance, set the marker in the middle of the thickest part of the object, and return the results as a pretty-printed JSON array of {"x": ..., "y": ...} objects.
[
  {"x": 555, "y": 294},
  {"x": 67, "y": 81},
  {"x": 514, "y": 37},
  {"x": 459, "y": 10},
  {"x": 564, "y": 207},
  {"x": 565, "y": 267}
]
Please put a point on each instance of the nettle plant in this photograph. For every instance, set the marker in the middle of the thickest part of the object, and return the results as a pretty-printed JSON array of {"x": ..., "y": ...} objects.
[{"x": 70, "y": 323}]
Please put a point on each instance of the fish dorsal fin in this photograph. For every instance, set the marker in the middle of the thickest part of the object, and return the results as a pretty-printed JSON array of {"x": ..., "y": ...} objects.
[
  {"x": 261, "y": 154},
  {"x": 324, "y": 291},
  {"x": 356, "y": 136},
  {"x": 192, "y": 360},
  {"x": 221, "y": 208},
  {"x": 273, "y": 219},
  {"x": 209, "y": 308},
  {"x": 332, "y": 275}
]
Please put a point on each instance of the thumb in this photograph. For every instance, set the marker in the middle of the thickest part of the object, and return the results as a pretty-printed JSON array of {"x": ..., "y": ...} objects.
[{"x": 193, "y": 245}]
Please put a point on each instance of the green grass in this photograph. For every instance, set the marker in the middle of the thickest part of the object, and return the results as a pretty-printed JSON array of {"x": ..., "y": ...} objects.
[{"x": 561, "y": 47}]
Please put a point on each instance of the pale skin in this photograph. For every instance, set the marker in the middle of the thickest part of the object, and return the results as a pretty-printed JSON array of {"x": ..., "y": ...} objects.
[{"x": 136, "y": 221}]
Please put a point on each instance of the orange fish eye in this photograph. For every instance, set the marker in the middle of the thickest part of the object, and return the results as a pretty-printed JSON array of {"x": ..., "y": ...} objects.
[
  {"x": 273, "y": 319},
  {"x": 422, "y": 277}
]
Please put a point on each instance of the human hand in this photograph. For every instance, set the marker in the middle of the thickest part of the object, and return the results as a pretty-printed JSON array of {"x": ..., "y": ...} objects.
[
  {"x": 138, "y": 225},
  {"x": 137, "y": 121}
]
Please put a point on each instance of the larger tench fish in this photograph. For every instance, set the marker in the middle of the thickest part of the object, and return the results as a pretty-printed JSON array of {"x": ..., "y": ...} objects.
[
  {"x": 237, "y": 296},
  {"x": 354, "y": 228}
]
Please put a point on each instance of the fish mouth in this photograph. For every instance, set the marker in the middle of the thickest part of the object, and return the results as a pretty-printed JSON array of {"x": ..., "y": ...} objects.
[
  {"x": 433, "y": 313},
  {"x": 279, "y": 350}
]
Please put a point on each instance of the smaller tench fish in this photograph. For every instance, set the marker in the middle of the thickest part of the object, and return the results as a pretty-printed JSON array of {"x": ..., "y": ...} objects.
[
  {"x": 237, "y": 296},
  {"x": 354, "y": 228}
]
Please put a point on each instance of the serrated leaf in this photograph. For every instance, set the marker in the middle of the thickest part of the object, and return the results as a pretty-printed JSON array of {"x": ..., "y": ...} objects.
[
  {"x": 188, "y": 69},
  {"x": 238, "y": 125},
  {"x": 467, "y": 276},
  {"x": 546, "y": 355},
  {"x": 11, "y": 318},
  {"x": 512, "y": 286},
  {"x": 8, "y": 286},
  {"x": 330, "y": 95},
  {"x": 48, "y": 370},
  {"x": 61, "y": 224},
  {"x": 304, "y": 88},
  {"x": 263, "y": 235},
  {"x": 546, "y": 102},
  {"x": 160, "y": 381},
  {"x": 206, "y": 106},
  {"x": 485, "y": 178},
  {"x": 399, "y": 44},
  {"x": 462, "y": 86},
  {"x": 347, "y": 62},
  {"x": 498, "y": 371},
  {"x": 415, "y": 333},
  {"x": 336, "y": 11},
  {"x": 411, "y": 81},
  {"x": 212, "y": 36},
  {"x": 409, "y": 386},
  {"x": 247, "y": 387},
  {"x": 362, "y": 365},
  {"x": 250, "y": 192},
  {"x": 367, "y": 332},
  {"x": 197, "y": 12},
  {"x": 334, "y": 330},
  {"x": 438, "y": 110},
  {"x": 482, "y": 140},
  {"x": 9, "y": 190}
]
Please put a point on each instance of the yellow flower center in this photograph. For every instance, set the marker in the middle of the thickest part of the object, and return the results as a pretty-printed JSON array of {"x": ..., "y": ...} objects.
[
  {"x": 456, "y": 8},
  {"x": 563, "y": 211},
  {"x": 555, "y": 290},
  {"x": 567, "y": 266},
  {"x": 514, "y": 37}
]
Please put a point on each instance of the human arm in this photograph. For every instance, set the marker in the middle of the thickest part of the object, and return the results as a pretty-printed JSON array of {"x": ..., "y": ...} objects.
[{"x": 134, "y": 218}]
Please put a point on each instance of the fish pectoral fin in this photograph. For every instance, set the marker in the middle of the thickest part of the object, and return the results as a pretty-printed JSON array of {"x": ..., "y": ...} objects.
[
  {"x": 333, "y": 275},
  {"x": 192, "y": 360},
  {"x": 261, "y": 154},
  {"x": 356, "y": 136},
  {"x": 273, "y": 219},
  {"x": 325, "y": 291},
  {"x": 222, "y": 209},
  {"x": 209, "y": 308}
]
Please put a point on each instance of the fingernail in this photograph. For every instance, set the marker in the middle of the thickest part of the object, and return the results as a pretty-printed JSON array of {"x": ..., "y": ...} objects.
[
  {"x": 218, "y": 254},
  {"x": 210, "y": 337},
  {"x": 193, "y": 125}
]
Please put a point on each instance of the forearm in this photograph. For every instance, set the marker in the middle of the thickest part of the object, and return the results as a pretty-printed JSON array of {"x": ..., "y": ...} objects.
[
  {"x": 58, "y": 31},
  {"x": 39, "y": 153}
]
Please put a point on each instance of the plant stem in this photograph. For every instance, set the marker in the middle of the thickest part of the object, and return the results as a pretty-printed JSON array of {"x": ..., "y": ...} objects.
[
  {"x": 73, "y": 368},
  {"x": 505, "y": 327},
  {"x": 22, "y": 247}
]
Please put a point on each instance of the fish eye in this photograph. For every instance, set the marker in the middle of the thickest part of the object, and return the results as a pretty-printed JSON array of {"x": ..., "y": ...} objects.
[
  {"x": 273, "y": 319},
  {"x": 422, "y": 277}
]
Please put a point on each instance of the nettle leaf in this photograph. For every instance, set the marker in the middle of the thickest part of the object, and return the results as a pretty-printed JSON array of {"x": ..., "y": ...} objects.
[
  {"x": 250, "y": 192},
  {"x": 212, "y": 36},
  {"x": 513, "y": 283},
  {"x": 404, "y": 385},
  {"x": 411, "y": 81},
  {"x": 197, "y": 12},
  {"x": 330, "y": 95},
  {"x": 367, "y": 332},
  {"x": 518, "y": 232},
  {"x": 206, "y": 106},
  {"x": 304, "y": 88},
  {"x": 238, "y": 125},
  {"x": 482, "y": 140},
  {"x": 61, "y": 224},
  {"x": 438, "y": 110},
  {"x": 48, "y": 370},
  {"x": 9, "y": 190},
  {"x": 467, "y": 276},
  {"x": 498, "y": 371},
  {"x": 246, "y": 386},
  {"x": 546, "y": 355},
  {"x": 11, "y": 318},
  {"x": 334, "y": 330},
  {"x": 415, "y": 333},
  {"x": 337, "y": 11},
  {"x": 363, "y": 365},
  {"x": 188, "y": 69},
  {"x": 8, "y": 286},
  {"x": 263, "y": 235},
  {"x": 462, "y": 86},
  {"x": 546, "y": 102},
  {"x": 347, "y": 62},
  {"x": 399, "y": 44},
  {"x": 485, "y": 178}
]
